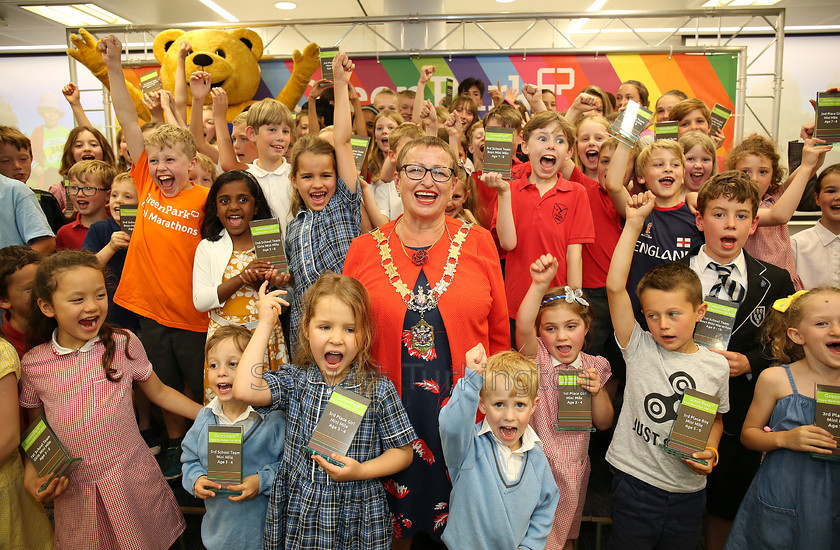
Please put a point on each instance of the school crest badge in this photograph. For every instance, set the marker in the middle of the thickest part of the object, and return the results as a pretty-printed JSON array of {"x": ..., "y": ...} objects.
[
  {"x": 559, "y": 212},
  {"x": 757, "y": 316}
]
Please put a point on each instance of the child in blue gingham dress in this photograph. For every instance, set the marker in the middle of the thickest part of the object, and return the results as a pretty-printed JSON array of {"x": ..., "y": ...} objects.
[
  {"x": 309, "y": 507},
  {"x": 315, "y": 510}
]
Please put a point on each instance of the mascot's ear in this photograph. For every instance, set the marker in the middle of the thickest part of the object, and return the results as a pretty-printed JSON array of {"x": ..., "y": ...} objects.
[
  {"x": 163, "y": 41},
  {"x": 251, "y": 40}
]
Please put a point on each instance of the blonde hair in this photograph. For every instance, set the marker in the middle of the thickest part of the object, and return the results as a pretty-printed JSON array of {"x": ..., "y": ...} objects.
[
  {"x": 124, "y": 177},
  {"x": 580, "y": 122},
  {"x": 169, "y": 135},
  {"x": 99, "y": 171},
  {"x": 776, "y": 326},
  {"x": 522, "y": 373},
  {"x": 659, "y": 145},
  {"x": 241, "y": 119},
  {"x": 406, "y": 130},
  {"x": 269, "y": 111},
  {"x": 239, "y": 334},
  {"x": 207, "y": 165}
]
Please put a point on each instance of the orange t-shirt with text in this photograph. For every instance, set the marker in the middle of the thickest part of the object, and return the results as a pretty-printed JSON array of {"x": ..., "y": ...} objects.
[{"x": 157, "y": 279}]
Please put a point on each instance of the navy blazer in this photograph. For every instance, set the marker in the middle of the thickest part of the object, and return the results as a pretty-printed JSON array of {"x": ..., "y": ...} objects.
[{"x": 766, "y": 283}]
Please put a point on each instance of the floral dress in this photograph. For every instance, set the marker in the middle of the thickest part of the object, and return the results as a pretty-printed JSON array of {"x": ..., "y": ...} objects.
[{"x": 241, "y": 309}]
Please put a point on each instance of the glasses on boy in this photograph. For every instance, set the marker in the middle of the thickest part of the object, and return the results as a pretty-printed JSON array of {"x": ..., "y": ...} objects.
[{"x": 86, "y": 191}]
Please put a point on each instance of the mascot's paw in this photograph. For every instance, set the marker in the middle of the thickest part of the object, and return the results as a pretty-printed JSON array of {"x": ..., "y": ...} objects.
[
  {"x": 306, "y": 64},
  {"x": 88, "y": 54}
]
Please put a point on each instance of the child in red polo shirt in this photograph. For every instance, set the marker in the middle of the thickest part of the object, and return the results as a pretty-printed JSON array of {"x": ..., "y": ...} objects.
[
  {"x": 89, "y": 189},
  {"x": 540, "y": 212}
]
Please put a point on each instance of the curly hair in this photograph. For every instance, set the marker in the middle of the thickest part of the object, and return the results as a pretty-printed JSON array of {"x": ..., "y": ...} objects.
[
  {"x": 775, "y": 328},
  {"x": 761, "y": 147}
]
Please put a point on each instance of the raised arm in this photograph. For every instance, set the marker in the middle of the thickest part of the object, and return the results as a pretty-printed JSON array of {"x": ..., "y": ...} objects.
[
  {"x": 426, "y": 73},
  {"x": 505, "y": 226},
  {"x": 153, "y": 102},
  {"x": 427, "y": 118},
  {"x": 543, "y": 271},
  {"x": 359, "y": 126},
  {"x": 457, "y": 417},
  {"x": 781, "y": 212},
  {"x": 574, "y": 265},
  {"x": 111, "y": 49},
  {"x": 248, "y": 383},
  {"x": 615, "y": 184},
  {"x": 170, "y": 111},
  {"x": 314, "y": 93},
  {"x": 181, "y": 94},
  {"x": 534, "y": 97},
  {"x": 454, "y": 129},
  {"x": 227, "y": 156},
  {"x": 583, "y": 103},
  {"x": 71, "y": 94},
  {"x": 345, "y": 163},
  {"x": 621, "y": 308},
  {"x": 200, "y": 87}
]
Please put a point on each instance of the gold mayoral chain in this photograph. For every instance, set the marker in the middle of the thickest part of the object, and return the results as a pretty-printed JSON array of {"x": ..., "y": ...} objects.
[{"x": 420, "y": 339}]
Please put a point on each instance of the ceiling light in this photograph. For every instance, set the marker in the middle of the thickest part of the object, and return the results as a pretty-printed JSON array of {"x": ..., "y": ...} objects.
[
  {"x": 504, "y": 1},
  {"x": 77, "y": 15},
  {"x": 221, "y": 11},
  {"x": 285, "y": 5}
]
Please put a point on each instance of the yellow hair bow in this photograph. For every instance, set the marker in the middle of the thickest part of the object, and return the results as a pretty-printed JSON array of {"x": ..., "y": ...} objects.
[{"x": 782, "y": 304}]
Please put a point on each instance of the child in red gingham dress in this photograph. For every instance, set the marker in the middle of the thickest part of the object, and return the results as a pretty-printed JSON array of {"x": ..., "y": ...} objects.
[
  {"x": 81, "y": 376},
  {"x": 552, "y": 325}
]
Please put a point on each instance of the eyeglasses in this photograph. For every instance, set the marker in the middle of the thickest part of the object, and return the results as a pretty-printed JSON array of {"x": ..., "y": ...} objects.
[
  {"x": 417, "y": 172},
  {"x": 86, "y": 191}
]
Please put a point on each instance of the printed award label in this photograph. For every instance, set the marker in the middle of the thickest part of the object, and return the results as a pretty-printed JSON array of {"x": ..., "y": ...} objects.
[
  {"x": 720, "y": 116},
  {"x": 715, "y": 328},
  {"x": 338, "y": 425},
  {"x": 667, "y": 129},
  {"x": 224, "y": 457},
  {"x": 128, "y": 217},
  {"x": 46, "y": 452},
  {"x": 498, "y": 150},
  {"x": 827, "y": 121},
  {"x": 327, "y": 55},
  {"x": 150, "y": 81},
  {"x": 693, "y": 425},
  {"x": 630, "y": 123},
  {"x": 268, "y": 243},
  {"x": 360, "y": 148},
  {"x": 68, "y": 205},
  {"x": 574, "y": 404},
  {"x": 827, "y": 415},
  {"x": 449, "y": 88}
]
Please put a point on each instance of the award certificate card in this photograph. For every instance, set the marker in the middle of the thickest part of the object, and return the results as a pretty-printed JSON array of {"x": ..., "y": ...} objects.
[
  {"x": 150, "y": 81},
  {"x": 447, "y": 98},
  {"x": 630, "y": 123},
  {"x": 714, "y": 330},
  {"x": 338, "y": 425},
  {"x": 68, "y": 205},
  {"x": 360, "y": 148},
  {"x": 46, "y": 452},
  {"x": 795, "y": 154},
  {"x": 827, "y": 122},
  {"x": 128, "y": 217},
  {"x": 224, "y": 457},
  {"x": 828, "y": 415},
  {"x": 720, "y": 116},
  {"x": 693, "y": 425},
  {"x": 268, "y": 243},
  {"x": 574, "y": 404},
  {"x": 667, "y": 129},
  {"x": 498, "y": 150},
  {"x": 327, "y": 55}
]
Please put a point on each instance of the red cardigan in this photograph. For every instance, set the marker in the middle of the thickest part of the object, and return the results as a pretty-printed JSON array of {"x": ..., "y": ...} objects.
[{"x": 473, "y": 308}]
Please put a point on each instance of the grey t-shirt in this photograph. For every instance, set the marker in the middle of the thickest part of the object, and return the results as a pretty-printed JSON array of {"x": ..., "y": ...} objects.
[{"x": 656, "y": 379}]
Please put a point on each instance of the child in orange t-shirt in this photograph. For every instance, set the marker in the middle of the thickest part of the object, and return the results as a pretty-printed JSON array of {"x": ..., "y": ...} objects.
[{"x": 157, "y": 279}]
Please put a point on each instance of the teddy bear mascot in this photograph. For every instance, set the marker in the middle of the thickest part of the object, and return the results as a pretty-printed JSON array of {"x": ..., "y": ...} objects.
[{"x": 230, "y": 58}]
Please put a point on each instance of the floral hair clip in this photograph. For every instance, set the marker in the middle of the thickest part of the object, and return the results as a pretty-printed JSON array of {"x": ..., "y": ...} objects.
[
  {"x": 782, "y": 304},
  {"x": 571, "y": 296}
]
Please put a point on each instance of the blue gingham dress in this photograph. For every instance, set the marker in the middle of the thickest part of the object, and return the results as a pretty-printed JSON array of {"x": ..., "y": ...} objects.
[
  {"x": 307, "y": 508},
  {"x": 318, "y": 241}
]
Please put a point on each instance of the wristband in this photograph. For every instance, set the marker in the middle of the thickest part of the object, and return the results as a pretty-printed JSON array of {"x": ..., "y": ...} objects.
[{"x": 717, "y": 455}]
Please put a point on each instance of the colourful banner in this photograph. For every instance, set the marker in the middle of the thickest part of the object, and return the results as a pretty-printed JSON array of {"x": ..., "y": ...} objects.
[{"x": 711, "y": 77}]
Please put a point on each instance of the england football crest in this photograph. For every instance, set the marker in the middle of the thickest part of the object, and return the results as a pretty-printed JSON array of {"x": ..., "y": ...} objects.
[{"x": 757, "y": 316}]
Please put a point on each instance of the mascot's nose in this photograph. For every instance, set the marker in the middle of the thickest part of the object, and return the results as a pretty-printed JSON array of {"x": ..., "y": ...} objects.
[{"x": 202, "y": 60}]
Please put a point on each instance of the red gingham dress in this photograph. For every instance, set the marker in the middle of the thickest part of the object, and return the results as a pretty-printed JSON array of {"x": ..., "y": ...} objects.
[
  {"x": 567, "y": 452},
  {"x": 771, "y": 243},
  {"x": 117, "y": 497}
]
